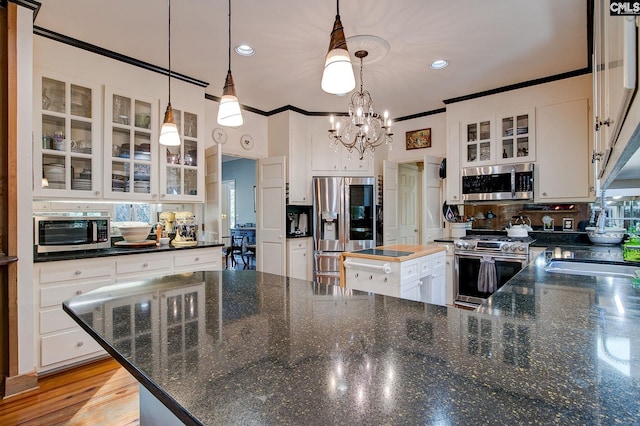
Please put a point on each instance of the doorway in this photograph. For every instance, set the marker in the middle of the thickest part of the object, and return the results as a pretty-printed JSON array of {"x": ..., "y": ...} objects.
[{"x": 409, "y": 218}]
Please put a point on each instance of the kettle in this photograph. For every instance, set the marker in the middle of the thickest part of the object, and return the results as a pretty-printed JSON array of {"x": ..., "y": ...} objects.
[{"x": 519, "y": 229}]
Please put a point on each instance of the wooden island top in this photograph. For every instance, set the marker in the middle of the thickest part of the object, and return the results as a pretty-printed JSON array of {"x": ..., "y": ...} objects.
[{"x": 415, "y": 249}]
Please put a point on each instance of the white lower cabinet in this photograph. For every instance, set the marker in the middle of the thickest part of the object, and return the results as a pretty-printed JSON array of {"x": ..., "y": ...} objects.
[
  {"x": 299, "y": 258},
  {"x": 60, "y": 342}
]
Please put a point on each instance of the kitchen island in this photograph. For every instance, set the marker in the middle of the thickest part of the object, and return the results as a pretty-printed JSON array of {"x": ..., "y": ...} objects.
[
  {"x": 408, "y": 271},
  {"x": 245, "y": 347}
]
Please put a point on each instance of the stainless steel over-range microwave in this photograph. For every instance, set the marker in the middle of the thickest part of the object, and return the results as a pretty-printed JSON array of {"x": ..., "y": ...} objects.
[
  {"x": 65, "y": 233},
  {"x": 498, "y": 183}
]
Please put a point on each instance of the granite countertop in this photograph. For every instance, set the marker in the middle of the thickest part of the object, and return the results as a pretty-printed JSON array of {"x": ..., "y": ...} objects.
[
  {"x": 114, "y": 251},
  {"x": 413, "y": 251},
  {"x": 246, "y": 347}
]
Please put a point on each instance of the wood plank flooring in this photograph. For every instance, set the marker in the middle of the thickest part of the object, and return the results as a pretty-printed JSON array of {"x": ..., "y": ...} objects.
[{"x": 99, "y": 393}]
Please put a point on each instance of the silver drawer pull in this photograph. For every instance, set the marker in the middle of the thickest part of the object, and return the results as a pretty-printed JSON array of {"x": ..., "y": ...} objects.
[
  {"x": 197, "y": 259},
  {"x": 370, "y": 277},
  {"x": 144, "y": 265},
  {"x": 79, "y": 292},
  {"x": 79, "y": 344},
  {"x": 78, "y": 272},
  {"x": 384, "y": 280},
  {"x": 356, "y": 275}
]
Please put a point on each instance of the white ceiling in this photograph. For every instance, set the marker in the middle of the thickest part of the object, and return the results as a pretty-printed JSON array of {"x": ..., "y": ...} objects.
[{"x": 489, "y": 43}]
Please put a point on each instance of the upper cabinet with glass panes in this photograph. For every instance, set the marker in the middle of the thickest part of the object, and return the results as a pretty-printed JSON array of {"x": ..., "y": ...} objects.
[
  {"x": 477, "y": 143},
  {"x": 130, "y": 146},
  {"x": 182, "y": 166},
  {"x": 66, "y": 135},
  {"x": 516, "y": 137}
]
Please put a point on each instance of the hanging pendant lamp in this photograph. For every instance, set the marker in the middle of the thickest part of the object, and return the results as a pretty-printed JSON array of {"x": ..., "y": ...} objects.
[
  {"x": 338, "y": 77},
  {"x": 169, "y": 134},
  {"x": 229, "y": 113}
]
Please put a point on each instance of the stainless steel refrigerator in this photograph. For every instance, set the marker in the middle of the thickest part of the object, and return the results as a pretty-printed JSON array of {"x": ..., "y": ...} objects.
[{"x": 344, "y": 210}]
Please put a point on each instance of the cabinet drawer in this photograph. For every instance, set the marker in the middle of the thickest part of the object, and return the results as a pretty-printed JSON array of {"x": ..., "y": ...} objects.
[
  {"x": 410, "y": 270},
  {"x": 425, "y": 266},
  {"x": 75, "y": 270},
  {"x": 55, "y": 320},
  {"x": 193, "y": 260},
  {"x": 55, "y": 295},
  {"x": 157, "y": 262},
  {"x": 438, "y": 260},
  {"x": 66, "y": 346}
]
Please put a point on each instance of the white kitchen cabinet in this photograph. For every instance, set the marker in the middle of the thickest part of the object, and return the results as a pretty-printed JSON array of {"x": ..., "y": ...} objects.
[
  {"x": 563, "y": 170},
  {"x": 300, "y": 258},
  {"x": 288, "y": 137},
  {"x": 180, "y": 177},
  {"x": 130, "y": 146},
  {"x": 615, "y": 79},
  {"x": 59, "y": 340},
  {"x": 478, "y": 143},
  {"x": 453, "y": 181},
  {"x": 516, "y": 137},
  {"x": 66, "y": 137},
  {"x": 332, "y": 160}
]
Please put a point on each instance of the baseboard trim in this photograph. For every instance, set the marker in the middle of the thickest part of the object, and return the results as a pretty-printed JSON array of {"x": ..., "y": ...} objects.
[{"x": 15, "y": 385}]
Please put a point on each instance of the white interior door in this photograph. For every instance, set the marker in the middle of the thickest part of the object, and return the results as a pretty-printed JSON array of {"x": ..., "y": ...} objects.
[
  {"x": 390, "y": 202},
  {"x": 271, "y": 216},
  {"x": 433, "y": 197},
  {"x": 225, "y": 209},
  {"x": 212, "y": 213},
  {"x": 408, "y": 204}
]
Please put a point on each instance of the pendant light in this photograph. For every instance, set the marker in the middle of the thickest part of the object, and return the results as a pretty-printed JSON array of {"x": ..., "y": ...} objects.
[
  {"x": 338, "y": 77},
  {"x": 229, "y": 113},
  {"x": 169, "y": 134}
]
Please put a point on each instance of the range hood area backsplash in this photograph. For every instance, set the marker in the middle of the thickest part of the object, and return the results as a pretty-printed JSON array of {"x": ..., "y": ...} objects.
[{"x": 535, "y": 212}]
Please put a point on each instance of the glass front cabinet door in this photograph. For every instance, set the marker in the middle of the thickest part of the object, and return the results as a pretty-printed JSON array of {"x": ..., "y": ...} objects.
[
  {"x": 516, "y": 137},
  {"x": 66, "y": 137},
  {"x": 182, "y": 167},
  {"x": 131, "y": 145},
  {"x": 477, "y": 149}
]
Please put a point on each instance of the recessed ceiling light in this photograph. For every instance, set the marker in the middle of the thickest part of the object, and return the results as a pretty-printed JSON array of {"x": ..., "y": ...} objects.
[
  {"x": 438, "y": 64},
  {"x": 244, "y": 50}
]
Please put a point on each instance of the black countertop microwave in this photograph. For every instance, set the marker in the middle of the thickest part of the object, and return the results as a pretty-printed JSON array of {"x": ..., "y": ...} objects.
[
  {"x": 65, "y": 233},
  {"x": 498, "y": 183}
]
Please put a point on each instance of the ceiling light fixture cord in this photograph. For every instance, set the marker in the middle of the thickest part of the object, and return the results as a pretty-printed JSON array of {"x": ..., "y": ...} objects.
[
  {"x": 229, "y": 70},
  {"x": 363, "y": 130},
  {"x": 169, "y": 51}
]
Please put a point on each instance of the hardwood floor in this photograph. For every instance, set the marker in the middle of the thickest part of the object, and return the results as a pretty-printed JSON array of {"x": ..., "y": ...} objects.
[{"x": 100, "y": 393}]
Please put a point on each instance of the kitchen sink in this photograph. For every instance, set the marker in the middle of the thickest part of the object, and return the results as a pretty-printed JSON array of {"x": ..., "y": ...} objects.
[{"x": 592, "y": 269}]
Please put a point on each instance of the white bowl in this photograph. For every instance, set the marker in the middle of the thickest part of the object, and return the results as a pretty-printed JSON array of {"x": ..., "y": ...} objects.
[
  {"x": 611, "y": 235},
  {"x": 134, "y": 232}
]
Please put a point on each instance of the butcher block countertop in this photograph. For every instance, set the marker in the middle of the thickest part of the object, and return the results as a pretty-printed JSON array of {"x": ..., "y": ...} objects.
[{"x": 416, "y": 251}]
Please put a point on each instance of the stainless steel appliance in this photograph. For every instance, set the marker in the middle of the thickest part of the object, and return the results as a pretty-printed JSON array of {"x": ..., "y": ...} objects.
[
  {"x": 66, "y": 233},
  {"x": 506, "y": 182},
  {"x": 484, "y": 263},
  {"x": 344, "y": 219}
]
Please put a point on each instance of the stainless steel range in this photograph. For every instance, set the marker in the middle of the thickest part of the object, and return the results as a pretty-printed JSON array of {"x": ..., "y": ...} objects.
[{"x": 484, "y": 263}]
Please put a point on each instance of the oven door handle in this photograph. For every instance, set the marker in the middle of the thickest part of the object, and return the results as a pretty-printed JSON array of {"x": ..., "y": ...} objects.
[
  {"x": 522, "y": 259},
  {"x": 385, "y": 267}
]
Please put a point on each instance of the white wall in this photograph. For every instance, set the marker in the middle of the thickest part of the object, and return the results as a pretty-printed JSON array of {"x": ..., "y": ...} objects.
[
  {"x": 437, "y": 124},
  {"x": 254, "y": 125}
]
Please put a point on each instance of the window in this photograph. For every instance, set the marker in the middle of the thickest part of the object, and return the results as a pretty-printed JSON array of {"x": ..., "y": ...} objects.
[{"x": 134, "y": 213}]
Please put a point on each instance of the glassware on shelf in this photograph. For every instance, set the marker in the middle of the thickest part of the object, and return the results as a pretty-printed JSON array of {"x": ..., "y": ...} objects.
[{"x": 46, "y": 100}]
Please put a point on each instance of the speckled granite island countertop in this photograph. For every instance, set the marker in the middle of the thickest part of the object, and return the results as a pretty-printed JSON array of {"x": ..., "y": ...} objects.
[
  {"x": 245, "y": 347},
  {"x": 395, "y": 252}
]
